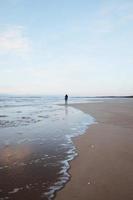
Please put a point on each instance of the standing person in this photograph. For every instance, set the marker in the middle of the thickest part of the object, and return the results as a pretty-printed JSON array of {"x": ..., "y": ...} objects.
[{"x": 66, "y": 99}]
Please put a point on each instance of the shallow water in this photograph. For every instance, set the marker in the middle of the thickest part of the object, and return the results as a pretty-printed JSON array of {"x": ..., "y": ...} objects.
[{"x": 36, "y": 145}]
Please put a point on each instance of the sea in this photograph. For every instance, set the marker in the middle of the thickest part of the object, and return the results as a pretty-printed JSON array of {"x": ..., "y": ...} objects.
[{"x": 36, "y": 144}]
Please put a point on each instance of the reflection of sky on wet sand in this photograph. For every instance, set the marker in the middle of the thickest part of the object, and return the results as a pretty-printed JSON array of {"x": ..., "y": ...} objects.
[{"x": 10, "y": 154}]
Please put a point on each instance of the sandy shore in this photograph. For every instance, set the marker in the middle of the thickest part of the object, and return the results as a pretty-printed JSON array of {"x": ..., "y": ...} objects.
[{"x": 104, "y": 168}]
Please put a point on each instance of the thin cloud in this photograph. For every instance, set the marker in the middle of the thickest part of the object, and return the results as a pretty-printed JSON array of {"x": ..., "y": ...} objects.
[
  {"x": 112, "y": 16},
  {"x": 12, "y": 39},
  {"x": 129, "y": 17}
]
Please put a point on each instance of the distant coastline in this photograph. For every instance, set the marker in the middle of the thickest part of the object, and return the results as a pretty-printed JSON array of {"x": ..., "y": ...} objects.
[
  {"x": 104, "y": 97},
  {"x": 72, "y": 96}
]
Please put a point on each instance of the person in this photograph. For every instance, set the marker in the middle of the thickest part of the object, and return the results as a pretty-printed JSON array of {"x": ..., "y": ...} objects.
[{"x": 66, "y": 98}]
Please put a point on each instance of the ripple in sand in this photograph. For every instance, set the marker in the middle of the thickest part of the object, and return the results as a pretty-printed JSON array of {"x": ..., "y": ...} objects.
[
  {"x": 20, "y": 133},
  {"x": 45, "y": 116}
]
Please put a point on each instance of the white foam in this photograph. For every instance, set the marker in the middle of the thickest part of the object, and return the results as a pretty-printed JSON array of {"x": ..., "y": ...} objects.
[{"x": 15, "y": 190}]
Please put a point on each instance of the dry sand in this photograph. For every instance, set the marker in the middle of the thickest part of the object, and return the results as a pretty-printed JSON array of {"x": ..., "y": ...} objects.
[{"x": 104, "y": 168}]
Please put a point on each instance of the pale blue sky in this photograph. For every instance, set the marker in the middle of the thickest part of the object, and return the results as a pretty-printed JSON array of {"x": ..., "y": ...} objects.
[{"x": 79, "y": 47}]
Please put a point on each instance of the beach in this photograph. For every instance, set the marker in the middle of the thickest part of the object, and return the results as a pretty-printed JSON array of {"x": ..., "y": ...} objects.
[
  {"x": 103, "y": 168},
  {"x": 36, "y": 145}
]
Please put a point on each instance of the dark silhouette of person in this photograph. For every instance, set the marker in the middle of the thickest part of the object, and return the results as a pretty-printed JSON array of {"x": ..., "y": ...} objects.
[{"x": 66, "y": 98}]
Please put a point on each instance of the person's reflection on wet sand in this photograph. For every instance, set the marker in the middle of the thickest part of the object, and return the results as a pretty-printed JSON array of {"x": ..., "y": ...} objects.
[{"x": 66, "y": 110}]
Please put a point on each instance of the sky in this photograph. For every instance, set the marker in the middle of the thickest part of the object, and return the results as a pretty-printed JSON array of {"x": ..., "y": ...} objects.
[{"x": 54, "y": 47}]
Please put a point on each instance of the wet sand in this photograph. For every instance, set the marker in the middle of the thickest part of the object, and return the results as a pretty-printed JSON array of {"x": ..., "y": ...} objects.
[
  {"x": 104, "y": 168},
  {"x": 36, "y": 146}
]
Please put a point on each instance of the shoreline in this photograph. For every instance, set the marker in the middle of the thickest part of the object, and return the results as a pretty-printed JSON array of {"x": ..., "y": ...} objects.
[
  {"x": 67, "y": 167},
  {"x": 103, "y": 168}
]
